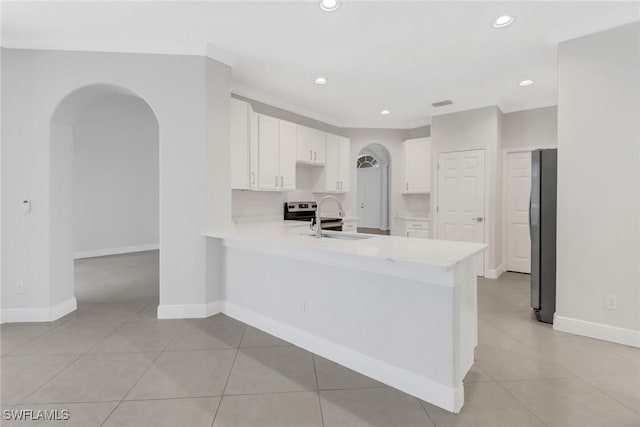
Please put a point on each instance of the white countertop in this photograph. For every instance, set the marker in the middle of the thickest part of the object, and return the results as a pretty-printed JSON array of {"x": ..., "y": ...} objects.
[{"x": 437, "y": 253}]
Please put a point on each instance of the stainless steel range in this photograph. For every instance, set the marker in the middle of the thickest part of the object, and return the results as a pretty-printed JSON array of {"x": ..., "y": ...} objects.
[{"x": 306, "y": 211}]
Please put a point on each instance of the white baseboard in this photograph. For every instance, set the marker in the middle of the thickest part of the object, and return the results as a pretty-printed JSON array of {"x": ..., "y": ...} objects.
[
  {"x": 597, "y": 330},
  {"x": 45, "y": 314},
  {"x": 115, "y": 251},
  {"x": 448, "y": 398},
  {"x": 189, "y": 311},
  {"x": 494, "y": 273}
]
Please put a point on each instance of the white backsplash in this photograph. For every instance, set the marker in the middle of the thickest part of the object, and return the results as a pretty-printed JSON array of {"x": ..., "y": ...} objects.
[{"x": 269, "y": 205}]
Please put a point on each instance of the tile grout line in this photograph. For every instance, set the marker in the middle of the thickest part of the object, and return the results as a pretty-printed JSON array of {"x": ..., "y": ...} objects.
[
  {"x": 562, "y": 365},
  {"x": 39, "y": 336},
  {"x": 522, "y": 403},
  {"x": 138, "y": 380},
  {"x": 224, "y": 389},
  {"x": 426, "y": 412},
  {"x": 315, "y": 371}
]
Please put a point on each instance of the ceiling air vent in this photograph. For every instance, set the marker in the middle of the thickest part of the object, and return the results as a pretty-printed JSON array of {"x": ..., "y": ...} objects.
[{"x": 442, "y": 103}]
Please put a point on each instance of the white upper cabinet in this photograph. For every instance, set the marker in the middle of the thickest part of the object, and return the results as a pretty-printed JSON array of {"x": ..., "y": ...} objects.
[
  {"x": 287, "y": 155},
  {"x": 337, "y": 173},
  {"x": 344, "y": 160},
  {"x": 276, "y": 154},
  {"x": 417, "y": 166},
  {"x": 312, "y": 145},
  {"x": 243, "y": 139}
]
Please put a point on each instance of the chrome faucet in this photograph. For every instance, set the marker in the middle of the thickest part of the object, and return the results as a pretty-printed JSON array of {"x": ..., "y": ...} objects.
[{"x": 318, "y": 222}]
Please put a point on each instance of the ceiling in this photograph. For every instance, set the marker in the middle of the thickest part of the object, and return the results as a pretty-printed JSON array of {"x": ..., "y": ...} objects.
[{"x": 400, "y": 56}]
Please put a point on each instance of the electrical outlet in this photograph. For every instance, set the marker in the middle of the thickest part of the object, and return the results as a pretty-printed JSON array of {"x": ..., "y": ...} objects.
[
  {"x": 611, "y": 302},
  {"x": 20, "y": 288}
]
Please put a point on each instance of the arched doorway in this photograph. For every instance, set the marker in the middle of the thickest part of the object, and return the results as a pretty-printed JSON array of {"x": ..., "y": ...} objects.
[
  {"x": 104, "y": 189},
  {"x": 373, "y": 189}
]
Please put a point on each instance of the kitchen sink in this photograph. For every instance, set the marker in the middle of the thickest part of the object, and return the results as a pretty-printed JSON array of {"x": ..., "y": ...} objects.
[
  {"x": 341, "y": 236},
  {"x": 345, "y": 236}
]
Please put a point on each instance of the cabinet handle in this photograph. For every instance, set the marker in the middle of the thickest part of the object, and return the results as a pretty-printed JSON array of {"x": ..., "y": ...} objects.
[
  {"x": 276, "y": 180},
  {"x": 341, "y": 185},
  {"x": 310, "y": 155},
  {"x": 337, "y": 185},
  {"x": 253, "y": 177},
  {"x": 315, "y": 155},
  {"x": 407, "y": 186},
  {"x": 281, "y": 181}
]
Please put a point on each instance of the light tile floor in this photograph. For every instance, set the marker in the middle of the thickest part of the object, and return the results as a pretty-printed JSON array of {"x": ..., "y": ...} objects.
[{"x": 112, "y": 363}]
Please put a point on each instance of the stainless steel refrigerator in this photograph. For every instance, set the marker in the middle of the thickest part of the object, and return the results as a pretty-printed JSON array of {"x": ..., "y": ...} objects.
[{"x": 542, "y": 226}]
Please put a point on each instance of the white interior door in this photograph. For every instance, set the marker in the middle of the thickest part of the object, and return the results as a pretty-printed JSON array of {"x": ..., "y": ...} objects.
[
  {"x": 518, "y": 189},
  {"x": 461, "y": 195},
  {"x": 369, "y": 197}
]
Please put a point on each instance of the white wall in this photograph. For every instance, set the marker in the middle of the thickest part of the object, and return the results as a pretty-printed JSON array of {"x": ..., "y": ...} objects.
[
  {"x": 182, "y": 91},
  {"x": 599, "y": 185},
  {"x": 115, "y": 177},
  {"x": 466, "y": 130},
  {"x": 530, "y": 128}
]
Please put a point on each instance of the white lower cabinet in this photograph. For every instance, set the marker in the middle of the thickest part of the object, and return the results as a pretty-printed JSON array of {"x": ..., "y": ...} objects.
[
  {"x": 413, "y": 227},
  {"x": 276, "y": 154}
]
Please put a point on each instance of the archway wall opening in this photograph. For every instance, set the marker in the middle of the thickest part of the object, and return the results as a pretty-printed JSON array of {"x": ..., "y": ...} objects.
[{"x": 37, "y": 247}]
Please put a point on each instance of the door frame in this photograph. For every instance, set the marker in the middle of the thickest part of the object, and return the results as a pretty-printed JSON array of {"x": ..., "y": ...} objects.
[
  {"x": 487, "y": 194},
  {"x": 505, "y": 177}
]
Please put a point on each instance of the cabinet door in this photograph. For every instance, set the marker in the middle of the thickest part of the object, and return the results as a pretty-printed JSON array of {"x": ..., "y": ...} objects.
[
  {"x": 268, "y": 153},
  {"x": 253, "y": 150},
  {"x": 305, "y": 144},
  {"x": 332, "y": 165},
  {"x": 239, "y": 143},
  {"x": 418, "y": 166},
  {"x": 287, "y": 155},
  {"x": 319, "y": 147},
  {"x": 345, "y": 163}
]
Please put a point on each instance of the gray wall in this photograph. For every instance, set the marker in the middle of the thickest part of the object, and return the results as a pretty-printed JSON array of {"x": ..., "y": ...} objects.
[
  {"x": 37, "y": 247},
  {"x": 530, "y": 128},
  {"x": 115, "y": 177},
  {"x": 599, "y": 180}
]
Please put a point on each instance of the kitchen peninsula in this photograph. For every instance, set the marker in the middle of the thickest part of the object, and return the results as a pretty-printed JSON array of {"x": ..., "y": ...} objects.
[{"x": 402, "y": 311}]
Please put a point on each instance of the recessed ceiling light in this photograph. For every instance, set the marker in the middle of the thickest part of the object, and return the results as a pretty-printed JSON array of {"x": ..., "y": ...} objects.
[
  {"x": 385, "y": 112},
  {"x": 329, "y": 5},
  {"x": 503, "y": 21},
  {"x": 526, "y": 82},
  {"x": 320, "y": 81}
]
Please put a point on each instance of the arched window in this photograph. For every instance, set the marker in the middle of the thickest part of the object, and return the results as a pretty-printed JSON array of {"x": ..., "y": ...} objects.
[{"x": 367, "y": 161}]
